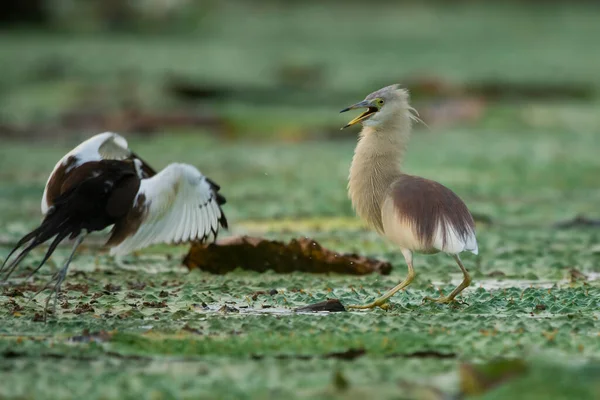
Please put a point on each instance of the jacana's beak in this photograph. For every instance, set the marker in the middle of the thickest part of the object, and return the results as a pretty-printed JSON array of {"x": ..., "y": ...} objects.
[{"x": 363, "y": 104}]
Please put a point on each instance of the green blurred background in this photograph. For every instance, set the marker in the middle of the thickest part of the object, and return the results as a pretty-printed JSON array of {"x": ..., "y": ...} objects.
[
  {"x": 249, "y": 91},
  {"x": 281, "y": 68}
]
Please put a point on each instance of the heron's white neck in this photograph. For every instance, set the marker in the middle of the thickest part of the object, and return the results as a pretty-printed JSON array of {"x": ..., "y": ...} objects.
[{"x": 376, "y": 165}]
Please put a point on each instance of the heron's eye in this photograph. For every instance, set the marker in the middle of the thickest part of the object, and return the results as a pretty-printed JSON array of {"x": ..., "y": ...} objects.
[{"x": 380, "y": 102}]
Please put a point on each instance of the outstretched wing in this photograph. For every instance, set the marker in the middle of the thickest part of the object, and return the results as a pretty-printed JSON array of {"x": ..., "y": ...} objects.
[{"x": 177, "y": 205}]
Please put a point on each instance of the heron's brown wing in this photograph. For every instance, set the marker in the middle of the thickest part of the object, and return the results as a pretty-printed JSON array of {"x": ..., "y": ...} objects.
[{"x": 427, "y": 205}]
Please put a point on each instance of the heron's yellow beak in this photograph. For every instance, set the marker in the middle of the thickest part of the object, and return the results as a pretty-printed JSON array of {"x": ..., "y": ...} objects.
[{"x": 371, "y": 109}]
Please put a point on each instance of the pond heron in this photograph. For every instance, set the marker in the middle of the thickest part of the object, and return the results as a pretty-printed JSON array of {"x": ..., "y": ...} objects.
[{"x": 417, "y": 214}]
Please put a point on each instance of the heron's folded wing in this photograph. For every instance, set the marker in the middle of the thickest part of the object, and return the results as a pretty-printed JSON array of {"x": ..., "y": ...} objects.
[{"x": 175, "y": 206}]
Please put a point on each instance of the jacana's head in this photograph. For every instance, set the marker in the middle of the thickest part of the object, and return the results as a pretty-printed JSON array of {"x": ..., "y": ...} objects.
[
  {"x": 111, "y": 139},
  {"x": 112, "y": 146},
  {"x": 384, "y": 105}
]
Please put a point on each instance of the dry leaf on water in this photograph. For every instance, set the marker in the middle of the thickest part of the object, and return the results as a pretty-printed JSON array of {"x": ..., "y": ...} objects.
[{"x": 261, "y": 255}]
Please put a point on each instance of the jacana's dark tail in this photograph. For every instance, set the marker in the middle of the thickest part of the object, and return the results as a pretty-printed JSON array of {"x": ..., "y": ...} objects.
[
  {"x": 55, "y": 225},
  {"x": 21, "y": 242},
  {"x": 59, "y": 238}
]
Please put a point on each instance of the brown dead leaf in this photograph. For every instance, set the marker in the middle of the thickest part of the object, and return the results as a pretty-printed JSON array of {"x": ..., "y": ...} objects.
[
  {"x": 155, "y": 304},
  {"x": 125, "y": 315},
  {"x": 78, "y": 287},
  {"x": 97, "y": 295},
  {"x": 13, "y": 292},
  {"x": 24, "y": 287},
  {"x": 14, "y": 306},
  {"x": 109, "y": 287},
  {"x": 190, "y": 329},
  {"x": 136, "y": 285},
  {"x": 260, "y": 255},
  {"x": 83, "y": 308},
  {"x": 37, "y": 317}
]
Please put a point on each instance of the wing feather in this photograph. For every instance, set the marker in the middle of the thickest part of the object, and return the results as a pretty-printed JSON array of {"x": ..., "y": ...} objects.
[
  {"x": 204, "y": 224},
  {"x": 187, "y": 230},
  {"x": 194, "y": 218},
  {"x": 180, "y": 205},
  {"x": 213, "y": 218}
]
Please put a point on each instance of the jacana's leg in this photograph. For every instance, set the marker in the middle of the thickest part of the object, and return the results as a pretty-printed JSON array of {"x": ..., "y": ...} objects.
[
  {"x": 465, "y": 283},
  {"x": 59, "y": 277},
  {"x": 380, "y": 301}
]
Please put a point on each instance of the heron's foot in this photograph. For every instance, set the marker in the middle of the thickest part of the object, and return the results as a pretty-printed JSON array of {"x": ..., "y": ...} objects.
[{"x": 384, "y": 305}]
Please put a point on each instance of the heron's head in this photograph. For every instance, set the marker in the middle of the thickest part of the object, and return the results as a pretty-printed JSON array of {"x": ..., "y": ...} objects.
[{"x": 388, "y": 103}]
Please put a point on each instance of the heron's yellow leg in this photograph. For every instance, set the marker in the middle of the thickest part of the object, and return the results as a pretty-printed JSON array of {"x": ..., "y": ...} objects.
[
  {"x": 383, "y": 299},
  {"x": 465, "y": 283}
]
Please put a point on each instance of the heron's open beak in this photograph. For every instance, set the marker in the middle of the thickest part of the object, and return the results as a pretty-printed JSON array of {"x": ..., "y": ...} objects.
[{"x": 371, "y": 109}]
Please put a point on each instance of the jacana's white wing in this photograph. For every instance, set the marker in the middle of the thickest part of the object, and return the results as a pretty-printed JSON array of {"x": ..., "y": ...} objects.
[{"x": 176, "y": 205}]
